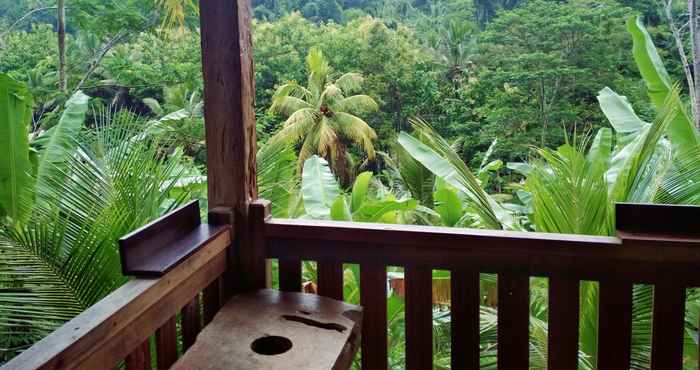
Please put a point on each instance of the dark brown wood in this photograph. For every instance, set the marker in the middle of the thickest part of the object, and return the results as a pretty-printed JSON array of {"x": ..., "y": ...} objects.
[
  {"x": 211, "y": 297},
  {"x": 373, "y": 296},
  {"x": 166, "y": 344},
  {"x": 258, "y": 276},
  {"x": 330, "y": 280},
  {"x": 191, "y": 322},
  {"x": 419, "y": 318},
  {"x": 614, "y": 324},
  {"x": 533, "y": 254},
  {"x": 679, "y": 220},
  {"x": 157, "y": 247},
  {"x": 229, "y": 94},
  {"x": 139, "y": 358},
  {"x": 323, "y": 333},
  {"x": 290, "y": 274},
  {"x": 230, "y": 279},
  {"x": 465, "y": 294},
  {"x": 668, "y": 324},
  {"x": 107, "y": 332},
  {"x": 563, "y": 325},
  {"x": 513, "y": 321}
]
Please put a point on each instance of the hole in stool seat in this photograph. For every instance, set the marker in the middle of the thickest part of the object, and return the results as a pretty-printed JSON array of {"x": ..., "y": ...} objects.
[{"x": 271, "y": 345}]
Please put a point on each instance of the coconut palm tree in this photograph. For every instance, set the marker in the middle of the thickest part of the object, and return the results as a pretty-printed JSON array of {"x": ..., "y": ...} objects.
[
  {"x": 64, "y": 204},
  {"x": 323, "y": 116}
]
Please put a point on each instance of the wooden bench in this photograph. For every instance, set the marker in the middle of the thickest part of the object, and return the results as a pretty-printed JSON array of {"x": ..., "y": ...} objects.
[{"x": 268, "y": 329}]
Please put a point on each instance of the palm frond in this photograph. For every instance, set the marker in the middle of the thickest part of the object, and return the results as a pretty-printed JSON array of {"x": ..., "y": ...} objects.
[
  {"x": 356, "y": 104},
  {"x": 350, "y": 82},
  {"x": 356, "y": 130}
]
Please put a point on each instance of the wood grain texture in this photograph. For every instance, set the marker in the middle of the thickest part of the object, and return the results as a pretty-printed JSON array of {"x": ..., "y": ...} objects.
[
  {"x": 465, "y": 294},
  {"x": 166, "y": 344},
  {"x": 668, "y": 324},
  {"x": 290, "y": 274},
  {"x": 324, "y": 333},
  {"x": 139, "y": 358},
  {"x": 533, "y": 254},
  {"x": 373, "y": 298},
  {"x": 191, "y": 322},
  {"x": 330, "y": 280},
  {"x": 564, "y": 303},
  {"x": 107, "y": 332},
  {"x": 614, "y": 325},
  {"x": 513, "y": 321},
  {"x": 229, "y": 115},
  {"x": 419, "y": 318}
]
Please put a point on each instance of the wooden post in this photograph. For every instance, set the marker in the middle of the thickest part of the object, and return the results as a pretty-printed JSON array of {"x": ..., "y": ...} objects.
[{"x": 229, "y": 115}]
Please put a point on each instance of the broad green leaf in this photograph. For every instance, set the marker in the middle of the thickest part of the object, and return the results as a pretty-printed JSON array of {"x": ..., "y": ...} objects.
[
  {"x": 15, "y": 166},
  {"x": 318, "y": 187},
  {"x": 681, "y": 131},
  {"x": 520, "y": 167},
  {"x": 601, "y": 148},
  {"x": 632, "y": 164},
  {"x": 359, "y": 190},
  {"x": 63, "y": 138},
  {"x": 444, "y": 163},
  {"x": 340, "y": 211},
  {"x": 447, "y": 204},
  {"x": 375, "y": 211},
  {"x": 619, "y": 112}
]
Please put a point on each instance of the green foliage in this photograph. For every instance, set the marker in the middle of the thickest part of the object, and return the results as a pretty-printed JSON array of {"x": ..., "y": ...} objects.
[
  {"x": 15, "y": 168},
  {"x": 324, "y": 115},
  {"x": 86, "y": 188}
]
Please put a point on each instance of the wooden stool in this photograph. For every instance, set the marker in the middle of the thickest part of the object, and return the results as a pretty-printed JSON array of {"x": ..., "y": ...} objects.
[{"x": 268, "y": 329}]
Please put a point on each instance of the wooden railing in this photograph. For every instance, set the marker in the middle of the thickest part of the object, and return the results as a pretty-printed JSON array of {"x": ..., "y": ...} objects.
[
  {"x": 125, "y": 325},
  {"x": 671, "y": 263},
  {"x": 142, "y": 315}
]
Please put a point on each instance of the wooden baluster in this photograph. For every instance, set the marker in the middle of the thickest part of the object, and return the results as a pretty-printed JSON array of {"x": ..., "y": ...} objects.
[
  {"x": 513, "y": 321},
  {"x": 212, "y": 300},
  {"x": 419, "y": 318},
  {"x": 330, "y": 280},
  {"x": 614, "y": 325},
  {"x": 373, "y": 296},
  {"x": 465, "y": 293},
  {"x": 166, "y": 344},
  {"x": 140, "y": 357},
  {"x": 290, "y": 275},
  {"x": 668, "y": 321},
  {"x": 191, "y": 324},
  {"x": 563, "y": 324}
]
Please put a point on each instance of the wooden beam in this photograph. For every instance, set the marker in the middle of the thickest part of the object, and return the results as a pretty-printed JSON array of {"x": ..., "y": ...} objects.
[{"x": 229, "y": 95}]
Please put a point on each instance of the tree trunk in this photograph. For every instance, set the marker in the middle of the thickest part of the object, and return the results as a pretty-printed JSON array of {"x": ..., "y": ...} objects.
[
  {"x": 62, "y": 78},
  {"x": 695, "y": 42},
  {"x": 687, "y": 68}
]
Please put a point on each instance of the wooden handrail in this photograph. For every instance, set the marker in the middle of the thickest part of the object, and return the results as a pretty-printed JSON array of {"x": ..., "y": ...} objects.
[
  {"x": 110, "y": 330},
  {"x": 644, "y": 260}
]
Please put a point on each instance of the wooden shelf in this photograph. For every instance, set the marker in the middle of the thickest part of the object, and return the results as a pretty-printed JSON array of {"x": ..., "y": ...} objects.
[{"x": 156, "y": 248}]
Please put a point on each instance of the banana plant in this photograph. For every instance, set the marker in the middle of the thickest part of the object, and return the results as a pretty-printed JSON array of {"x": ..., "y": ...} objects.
[
  {"x": 323, "y": 198},
  {"x": 435, "y": 154}
]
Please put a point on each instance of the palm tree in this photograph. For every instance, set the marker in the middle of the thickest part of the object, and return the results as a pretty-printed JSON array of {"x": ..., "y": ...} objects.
[
  {"x": 323, "y": 116},
  {"x": 66, "y": 208}
]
